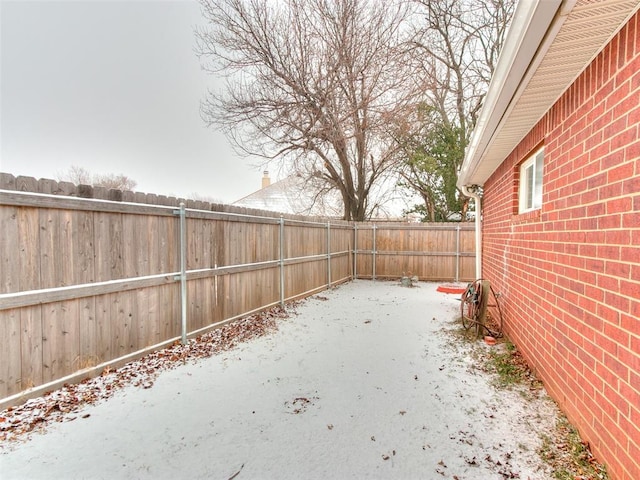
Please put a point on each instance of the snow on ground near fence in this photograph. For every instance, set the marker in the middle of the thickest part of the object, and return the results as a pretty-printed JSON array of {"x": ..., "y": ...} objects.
[{"x": 365, "y": 381}]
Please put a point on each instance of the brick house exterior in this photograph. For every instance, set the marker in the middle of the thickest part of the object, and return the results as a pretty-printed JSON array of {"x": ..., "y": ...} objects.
[{"x": 569, "y": 268}]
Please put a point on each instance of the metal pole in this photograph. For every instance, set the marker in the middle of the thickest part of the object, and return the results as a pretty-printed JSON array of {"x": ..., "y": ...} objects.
[
  {"x": 281, "y": 261},
  {"x": 374, "y": 253},
  {"x": 457, "y": 253},
  {"x": 183, "y": 271},
  {"x": 355, "y": 251},
  {"x": 329, "y": 254}
]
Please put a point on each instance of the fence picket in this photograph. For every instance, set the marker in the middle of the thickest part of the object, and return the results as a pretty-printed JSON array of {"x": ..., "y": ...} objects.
[{"x": 72, "y": 297}]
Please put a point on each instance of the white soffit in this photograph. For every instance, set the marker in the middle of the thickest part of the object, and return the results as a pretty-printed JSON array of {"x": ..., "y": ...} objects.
[{"x": 588, "y": 27}]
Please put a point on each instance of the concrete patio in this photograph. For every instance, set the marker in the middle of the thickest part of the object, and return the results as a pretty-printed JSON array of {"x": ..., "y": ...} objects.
[{"x": 365, "y": 381}]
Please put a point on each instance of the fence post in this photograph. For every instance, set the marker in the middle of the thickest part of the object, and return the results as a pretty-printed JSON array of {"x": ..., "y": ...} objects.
[
  {"x": 328, "y": 254},
  {"x": 373, "y": 270},
  {"x": 183, "y": 270},
  {"x": 457, "y": 253},
  {"x": 281, "y": 261},
  {"x": 355, "y": 251}
]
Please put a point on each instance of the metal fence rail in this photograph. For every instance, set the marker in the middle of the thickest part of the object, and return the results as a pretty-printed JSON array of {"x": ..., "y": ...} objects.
[
  {"x": 91, "y": 283},
  {"x": 390, "y": 250}
]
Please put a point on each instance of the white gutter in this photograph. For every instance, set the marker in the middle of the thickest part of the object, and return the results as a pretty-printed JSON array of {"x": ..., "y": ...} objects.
[
  {"x": 527, "y": 41},
  {"x": 472, "y": 191},
  {"x": 522, "y": 52}
]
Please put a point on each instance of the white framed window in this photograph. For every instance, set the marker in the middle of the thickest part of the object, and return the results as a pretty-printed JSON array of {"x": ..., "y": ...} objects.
[{"x": 530, "y": 190}]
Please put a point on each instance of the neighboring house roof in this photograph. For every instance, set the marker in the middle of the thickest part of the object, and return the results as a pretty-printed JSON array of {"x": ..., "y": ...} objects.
[
  {"x": 550, "y": 42},
  {"x": 295, "y": 195},
  {"x": 288, "y": 195}
]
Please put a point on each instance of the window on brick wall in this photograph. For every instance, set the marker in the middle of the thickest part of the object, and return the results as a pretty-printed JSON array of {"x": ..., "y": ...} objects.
[{"x": 530, "y": 191}]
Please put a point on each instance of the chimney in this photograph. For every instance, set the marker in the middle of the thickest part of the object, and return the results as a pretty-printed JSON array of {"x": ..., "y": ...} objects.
[{"x": 266, "y": 181}]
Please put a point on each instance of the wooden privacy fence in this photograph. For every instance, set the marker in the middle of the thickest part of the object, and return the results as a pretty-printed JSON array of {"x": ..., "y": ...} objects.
[
  {"x": 433, "y": 251},
  {"x": 87, "y": 283}
]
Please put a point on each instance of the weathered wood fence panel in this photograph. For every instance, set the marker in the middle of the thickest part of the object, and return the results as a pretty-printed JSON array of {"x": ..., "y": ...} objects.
[
  {"x": 87, "y": 283},
  {"x": 435, "y": 252}
]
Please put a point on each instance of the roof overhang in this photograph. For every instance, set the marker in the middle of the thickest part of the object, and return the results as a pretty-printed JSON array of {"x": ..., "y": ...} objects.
[{"x": 549, "y": 43}]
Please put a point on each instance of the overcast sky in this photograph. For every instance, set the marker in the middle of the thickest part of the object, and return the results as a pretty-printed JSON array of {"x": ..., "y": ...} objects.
[{"x": 114, "y": 87}]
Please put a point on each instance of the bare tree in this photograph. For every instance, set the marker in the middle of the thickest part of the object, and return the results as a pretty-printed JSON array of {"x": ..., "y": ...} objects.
[
  {"x": 459, "y": 42},
  {"x": 315, "y": 83},
  {"x": 76, "y": 175},
  {"x": 115, "y": 181},
  {"x": 199, "y": 197},
  {"x": 456, "y": 45},
  {"x": 81, "y": 176}
]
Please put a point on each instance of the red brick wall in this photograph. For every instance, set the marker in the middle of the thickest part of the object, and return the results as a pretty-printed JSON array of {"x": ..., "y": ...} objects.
[{"x": 570, "y": 272}]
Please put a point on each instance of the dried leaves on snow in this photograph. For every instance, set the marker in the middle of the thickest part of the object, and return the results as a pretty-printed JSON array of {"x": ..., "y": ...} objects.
[{"x": 64, "y": 404}]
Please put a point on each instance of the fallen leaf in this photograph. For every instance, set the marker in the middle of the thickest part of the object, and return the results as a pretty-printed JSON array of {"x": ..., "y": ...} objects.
[
  {"x": 237, "y": 473},
  {"x": 55, "y": 406}
]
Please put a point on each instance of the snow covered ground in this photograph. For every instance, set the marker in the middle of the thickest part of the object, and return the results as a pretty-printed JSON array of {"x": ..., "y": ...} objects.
[{"x": 365, "y": 381}]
